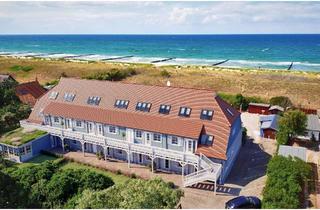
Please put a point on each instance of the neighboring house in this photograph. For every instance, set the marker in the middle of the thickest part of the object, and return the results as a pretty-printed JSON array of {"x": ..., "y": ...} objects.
[
  {"x": 168, "y": 128},
  {"x": 258, "y": 108},
  {"x": 275, "y": 109},
  {"x": 265, "y": 109},
  {"x": 30, "y": 92},
  {"x": 27, "y": 151},
  {"x": 4, "y": 77},
  {"x": 299, "y": 152},
  {"x": 312, "y": 129},
  {"x": 269, "y": 126}
]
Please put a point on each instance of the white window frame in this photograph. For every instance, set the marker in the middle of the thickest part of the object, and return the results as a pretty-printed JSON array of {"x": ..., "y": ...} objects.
[
  {"x": 178, "y": 141},
  {"x": 155, "y": 134},
  {"x": 115, "y": 129},
  {"x": 136, "y": 132},
  {"x": 79, "y": 126},
  {"x": 54, "y": 119}
]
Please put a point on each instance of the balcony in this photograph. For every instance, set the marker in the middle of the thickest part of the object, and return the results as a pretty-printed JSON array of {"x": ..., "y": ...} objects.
[{"x": 154, "y": 152}]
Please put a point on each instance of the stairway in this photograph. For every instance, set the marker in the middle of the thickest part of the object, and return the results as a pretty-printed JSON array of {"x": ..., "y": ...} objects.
[{"x": 207, "y": 171}]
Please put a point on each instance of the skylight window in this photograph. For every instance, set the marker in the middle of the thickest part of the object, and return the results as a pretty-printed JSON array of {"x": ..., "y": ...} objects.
[
  {"x": 94, "y": 100},
  {"x": 206, "y": 114},
  {"x": 164, "y": 109},
  {"x": 230, "y": 112},
  {"x": 185, "y": 111},
  {"x": 53, "y": 95},
  {"x": 121, "y": 104},
  {"x": 143, "y": 106},
  {"x": 69, "y": 97}
]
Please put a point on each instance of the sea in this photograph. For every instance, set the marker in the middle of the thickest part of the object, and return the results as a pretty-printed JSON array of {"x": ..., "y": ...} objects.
[{"x": 297, "y": 52}]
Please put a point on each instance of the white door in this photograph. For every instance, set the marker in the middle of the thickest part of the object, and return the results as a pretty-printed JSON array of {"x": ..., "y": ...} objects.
[
  {"x": 189, "y": 146},
  {"x": 90, "y": 127},
  {"x": 100, "y": 129},
  {"x": 148, "y": 138},
  {"x": 68, "y": 123}
]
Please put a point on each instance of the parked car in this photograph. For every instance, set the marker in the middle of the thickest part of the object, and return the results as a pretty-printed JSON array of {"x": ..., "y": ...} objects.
[{"x": 244, "y": 202}]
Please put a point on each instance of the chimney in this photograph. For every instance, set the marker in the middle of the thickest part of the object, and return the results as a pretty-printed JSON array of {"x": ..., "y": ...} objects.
[{"x": 168, "y": 83}]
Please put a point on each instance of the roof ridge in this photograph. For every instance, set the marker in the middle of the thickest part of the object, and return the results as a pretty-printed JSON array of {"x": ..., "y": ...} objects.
[{"x": 147, "y": 85}]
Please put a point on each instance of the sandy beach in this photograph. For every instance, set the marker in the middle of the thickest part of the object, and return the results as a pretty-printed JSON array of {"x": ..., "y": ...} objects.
[{"x": 303, "y": 88}]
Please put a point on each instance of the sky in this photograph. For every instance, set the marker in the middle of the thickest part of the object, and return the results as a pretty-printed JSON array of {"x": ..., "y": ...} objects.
[{"x": 159, "y": 17}]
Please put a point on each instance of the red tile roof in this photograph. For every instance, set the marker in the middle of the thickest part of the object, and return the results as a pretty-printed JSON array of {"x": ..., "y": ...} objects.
[
  {"x": 177, "y": 127},
  {"x": 223, "y": 117},
  {"x": 33, "y": 89}
]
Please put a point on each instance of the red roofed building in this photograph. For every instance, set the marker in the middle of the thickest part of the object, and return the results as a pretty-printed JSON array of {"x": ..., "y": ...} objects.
[
  {"x": 174, "y": 129},
  {"x": 29, "y": 92}
]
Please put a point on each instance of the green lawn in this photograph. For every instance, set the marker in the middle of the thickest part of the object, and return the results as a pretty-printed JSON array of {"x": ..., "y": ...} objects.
[
  {"x": 117, "y": 178},
  {"x": 19, "y": 136}
]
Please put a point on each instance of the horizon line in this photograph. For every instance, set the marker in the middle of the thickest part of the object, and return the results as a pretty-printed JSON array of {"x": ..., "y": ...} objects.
[{"x": 166, "y": 34}]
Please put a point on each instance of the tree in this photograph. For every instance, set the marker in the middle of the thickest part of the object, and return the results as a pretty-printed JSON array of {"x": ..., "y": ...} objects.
[
  {"x": 66, "y": 184},
  {"x": 133, "y": 194},
  {"x": 285, "y": 178},
  {"x": 292, "y": 123},
  {"x": 12, "y": 194},
  {"x": 282, "y": 101}
]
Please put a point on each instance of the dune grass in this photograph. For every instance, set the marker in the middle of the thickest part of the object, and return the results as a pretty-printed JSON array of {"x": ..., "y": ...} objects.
[{"x": 301, "y": 87}]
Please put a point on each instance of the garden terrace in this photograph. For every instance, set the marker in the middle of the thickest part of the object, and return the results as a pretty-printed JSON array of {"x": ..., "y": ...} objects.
[{"x": 20, "y": 136}]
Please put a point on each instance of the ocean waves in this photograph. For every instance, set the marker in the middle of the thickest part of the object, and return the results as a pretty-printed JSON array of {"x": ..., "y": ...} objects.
[{"x": 297, "y": 65}]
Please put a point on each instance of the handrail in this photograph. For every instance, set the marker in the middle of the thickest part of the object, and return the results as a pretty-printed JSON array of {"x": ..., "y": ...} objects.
[{"x": 146, "y": 149}]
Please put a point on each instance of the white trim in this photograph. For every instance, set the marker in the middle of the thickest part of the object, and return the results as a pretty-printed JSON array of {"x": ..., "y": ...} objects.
[
  {"x": 157, "y": 140},
  {"x": 115, "y": 129}
]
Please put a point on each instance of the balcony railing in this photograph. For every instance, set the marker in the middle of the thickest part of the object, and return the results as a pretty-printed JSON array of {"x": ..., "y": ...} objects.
[{"x": 156, "y": 152}]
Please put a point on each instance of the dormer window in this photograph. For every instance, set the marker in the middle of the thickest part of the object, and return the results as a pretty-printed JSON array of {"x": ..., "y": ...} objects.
[
  {"x": 207, "y": 140},
  {"x": 164, "y": 109},
  {"x": 206, "y": 114},
  {"x": 69, "y": 97},
  {"x": 121, "y": 104},
  {"x": 185, "y": 111},
  {"x": 94, "y": 100},
  {"x": 143, "y": 106},
  {"x": 53, "y": 95}
]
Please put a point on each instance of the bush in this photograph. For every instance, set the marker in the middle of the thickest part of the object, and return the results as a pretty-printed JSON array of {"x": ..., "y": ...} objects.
[
  {"x": 133, "y": 176},
  {"x": 164, "y": 73},
  {"x": 21, "y": 68},
  {"x": 12, "y": 194},
  {"x": 134, "y": 194},
  {"x": 239, "y": 101},
  {"x": 119, "y": 172},
  {"x": 292, "y": 123},
  {"x": 113, "y": 75},
  {"x": 285, "y": 180},
  {"x": 282, "y": 101}
]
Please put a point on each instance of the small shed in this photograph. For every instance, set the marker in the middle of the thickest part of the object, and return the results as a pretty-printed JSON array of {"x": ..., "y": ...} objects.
[
  {"x": 258, "y": 108},
  {"x": 275, "y": 109},
  {"x": 269, "y": 126},
  {"x": 299, "y": 152}
]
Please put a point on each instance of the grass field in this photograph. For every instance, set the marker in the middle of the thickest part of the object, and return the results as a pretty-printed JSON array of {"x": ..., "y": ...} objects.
[{"x": 303, "y": 88}]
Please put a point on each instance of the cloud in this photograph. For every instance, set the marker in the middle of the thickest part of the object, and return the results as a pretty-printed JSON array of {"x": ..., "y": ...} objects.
[{"x": 159, "y": 17}]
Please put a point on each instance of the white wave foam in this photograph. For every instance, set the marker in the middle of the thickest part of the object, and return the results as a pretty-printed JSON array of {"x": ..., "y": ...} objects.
[{"x": 177, "y": 61}]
